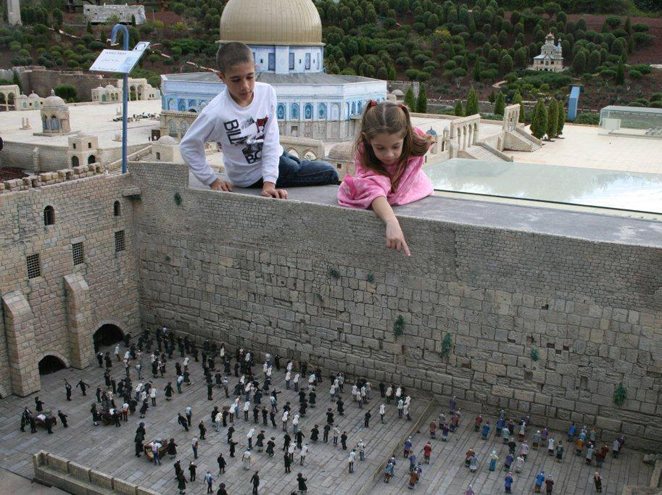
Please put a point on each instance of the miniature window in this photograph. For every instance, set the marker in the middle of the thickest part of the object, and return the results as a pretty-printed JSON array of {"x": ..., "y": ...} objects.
[
  {"x": 119, "y": 241},
  {"x": 74, "y": 145},
  {"x": 89, "y": 145},
  {"x": 77, "y": 253},
  {"x": 34, "y": 267},
  {"x": 49, "y": 215},
  {"x": 117, "y": 209}
]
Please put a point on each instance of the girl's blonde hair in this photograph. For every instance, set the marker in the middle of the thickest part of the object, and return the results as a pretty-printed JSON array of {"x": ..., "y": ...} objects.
[{"x": 388, "y": 118}]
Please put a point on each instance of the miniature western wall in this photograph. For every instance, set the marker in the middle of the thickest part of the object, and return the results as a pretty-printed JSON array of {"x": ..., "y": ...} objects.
[{"x": 501, "y": 317}]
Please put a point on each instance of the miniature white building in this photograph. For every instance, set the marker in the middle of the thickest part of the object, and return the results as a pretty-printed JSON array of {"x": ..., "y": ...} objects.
[
  {"x": 83, "y": 149},
  {"x": 8, "y": 96},
  {"x": 139, "y": 90},
  {"x": 99, "y": 14},
  {"x": 551, "y": 57},
  {"x": 55, "y": 116},
  {"x": 32, "y": 102}
]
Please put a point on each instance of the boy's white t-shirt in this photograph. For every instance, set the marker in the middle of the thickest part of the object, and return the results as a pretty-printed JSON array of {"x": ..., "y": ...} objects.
[{"x": 248, "y": 136}]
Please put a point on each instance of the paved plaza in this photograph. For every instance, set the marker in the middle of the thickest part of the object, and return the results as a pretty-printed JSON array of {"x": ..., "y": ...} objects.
[{"x": 111, "y": 450}]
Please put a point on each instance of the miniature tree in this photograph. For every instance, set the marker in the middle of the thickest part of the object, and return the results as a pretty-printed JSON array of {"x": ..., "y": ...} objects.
[
  {"x": 561, "y": 121},
  {"x": 410, "y": 99},
  {"x": 422, "y": 101},
  {"x": 620, "y": 73},
  {"x": 552, "y": 119},
  {"x": 459, "y": 111},
  {"x": 472, "y": 103},
  {"x": 539, "y": 121},
  {"x": 476, "y": 71},
  {"x": 499, "y": 104},
  {"x": 517, "y": 99}
]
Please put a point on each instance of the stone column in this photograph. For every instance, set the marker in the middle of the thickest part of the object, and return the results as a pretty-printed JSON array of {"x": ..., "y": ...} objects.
[
  {"x": 21, "y": 350},
  {"x": 79, "y": 321}
]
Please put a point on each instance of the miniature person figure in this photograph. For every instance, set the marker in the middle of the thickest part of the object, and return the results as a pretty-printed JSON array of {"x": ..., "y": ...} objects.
[
  {"x": 550, "y": 446},
  {"x": 549, "y": 484},
  {"x": 536, "y": 439},
  {"x": 540, "y": 479},
  {"x": 559, "y": 452},
  {"x": 494, "y": 458},
  {"x": 615, "y": 448},
  {"x": 390, "y": 156},
  {"x": 469, "y": 491},
  {"x": 485, "y": 430},
  {"x": 478, "y": 422},
  {"x": 524, "y": 450},
  {"x": 508, "y": 483},
  {"x": 597, "y": 481},
  {"x": 519, "y": 464},
  {"x": 242, "y": 118},
  {"x": 589, "y": 454},
  {"x": 427, "y": 452},
  {"x": 473, "y": 463},
  {"x": 508, "y": 462}
]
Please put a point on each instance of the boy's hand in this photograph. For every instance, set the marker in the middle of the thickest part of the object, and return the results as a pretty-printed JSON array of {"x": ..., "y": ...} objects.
[
  {"x": 395, "y": 239},
  {"x": 221, "y": 185},
  {"x": 269, "y": 190}
]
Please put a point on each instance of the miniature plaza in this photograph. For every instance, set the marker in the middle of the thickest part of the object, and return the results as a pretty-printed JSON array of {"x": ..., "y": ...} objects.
[{"x": 111, "y": 450}]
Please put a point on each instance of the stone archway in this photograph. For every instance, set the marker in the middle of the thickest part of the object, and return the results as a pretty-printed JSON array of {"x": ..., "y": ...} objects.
[
  {"x": 51, "y": 363},
  {"x": 107, "y": 334}
]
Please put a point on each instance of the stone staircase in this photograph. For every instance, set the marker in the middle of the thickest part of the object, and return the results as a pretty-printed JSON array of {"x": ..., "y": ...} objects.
[{"x": 481, "y": 152}]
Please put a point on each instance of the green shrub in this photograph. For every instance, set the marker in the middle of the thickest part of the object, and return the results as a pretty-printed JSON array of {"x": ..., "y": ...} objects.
[
  {"x": 635, "y": 74},
  {"x": 588, "y": 118}
]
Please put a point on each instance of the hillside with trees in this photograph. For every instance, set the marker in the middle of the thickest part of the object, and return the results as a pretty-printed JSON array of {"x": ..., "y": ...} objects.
[{"x": 447, "y": 46}]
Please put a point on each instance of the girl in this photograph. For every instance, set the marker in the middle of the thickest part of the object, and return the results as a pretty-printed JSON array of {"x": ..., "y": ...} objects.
[{"x": 389, "y": 157}]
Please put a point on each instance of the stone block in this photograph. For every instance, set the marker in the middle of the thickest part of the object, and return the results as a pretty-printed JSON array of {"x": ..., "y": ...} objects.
[
  {"x": 58, "y": 463},
  {"x": 100, "y": 479},
  {"x": 123, "y": 487},
  {"x": 79, "y": 472},
  {"x": 610, "y": 424}
]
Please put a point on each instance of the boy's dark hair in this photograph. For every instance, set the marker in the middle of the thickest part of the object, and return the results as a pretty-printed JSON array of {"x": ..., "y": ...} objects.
[{"x": 230, "y": 54}]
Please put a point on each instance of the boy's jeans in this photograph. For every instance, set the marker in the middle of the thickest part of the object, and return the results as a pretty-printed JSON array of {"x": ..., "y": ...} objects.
[{"x": 294, "y": 172}]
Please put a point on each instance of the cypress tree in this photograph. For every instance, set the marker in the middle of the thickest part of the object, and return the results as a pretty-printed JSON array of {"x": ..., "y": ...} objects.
[
  {"x": 476, "y": 72},
  {"x": 459, "y": 111},
  {"x": 552, "y": 119},
  {"x": 539, "y": 121},
  {"x": 620, "y": 73},
  {"x": 472, "y": 103},
  {"x": 499, "y": 104},
  {"x": 561, "y": 119},
  {"x": 517, "y": 98},
  {"x": 410, "y": 99},
  {"x": 422, "y": 101}
]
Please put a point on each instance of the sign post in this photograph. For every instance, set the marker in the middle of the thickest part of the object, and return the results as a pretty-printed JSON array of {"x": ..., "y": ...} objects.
[{"x": 123, "y": 62}]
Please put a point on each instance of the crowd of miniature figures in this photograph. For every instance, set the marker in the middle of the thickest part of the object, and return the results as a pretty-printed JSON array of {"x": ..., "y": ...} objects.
[{"x": 245, "y": 402}]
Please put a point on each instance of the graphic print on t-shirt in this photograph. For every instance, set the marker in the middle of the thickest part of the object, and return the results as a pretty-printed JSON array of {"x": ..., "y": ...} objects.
[{"x": 250, "y": 135}]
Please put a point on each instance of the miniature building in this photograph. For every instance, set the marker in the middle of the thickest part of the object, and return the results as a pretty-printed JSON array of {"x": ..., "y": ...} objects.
[
  {"x": 289, "y": 56},
  {"x": 550, "y": 58},
  {"x": 127, "y": 14},
  {"x": 166, "y": 149},
  {"x": 139, "y": 89},
  {"x": 83, "y": 149},
  {"x": 32, "y": 102},
  {"x": 108, "y": 94},
  {"x": 8, "y": 95},
  {"x": 55, "y": 116},
  {"x": 14, "y": 12}
]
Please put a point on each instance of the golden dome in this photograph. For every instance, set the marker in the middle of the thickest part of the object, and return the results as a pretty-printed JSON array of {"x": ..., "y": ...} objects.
[{"x": 271, "y": 22}]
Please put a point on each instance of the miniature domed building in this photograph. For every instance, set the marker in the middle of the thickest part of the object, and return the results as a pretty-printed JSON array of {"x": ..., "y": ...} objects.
[
  {"x": 55, "y": 115},
  {"x": 286, "y": 39}
]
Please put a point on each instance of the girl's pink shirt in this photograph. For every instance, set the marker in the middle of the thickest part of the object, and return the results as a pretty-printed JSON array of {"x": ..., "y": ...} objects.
[{"x": 366, "y": 185}]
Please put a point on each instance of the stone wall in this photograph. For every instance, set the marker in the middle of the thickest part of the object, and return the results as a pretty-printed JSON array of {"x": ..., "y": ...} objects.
[
  {"x": 41, "y": 81},
  {"x": 57, "y": 471},
  {"x": 313, "y": 282},
  {"x": 65, "y": 305}
]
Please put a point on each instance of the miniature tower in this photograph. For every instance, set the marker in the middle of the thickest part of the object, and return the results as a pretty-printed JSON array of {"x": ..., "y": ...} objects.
[{"x": 14, "y": 12}]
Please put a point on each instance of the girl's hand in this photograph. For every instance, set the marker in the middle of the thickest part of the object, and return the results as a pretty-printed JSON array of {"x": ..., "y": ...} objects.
[{"x": 395, "y": 239}]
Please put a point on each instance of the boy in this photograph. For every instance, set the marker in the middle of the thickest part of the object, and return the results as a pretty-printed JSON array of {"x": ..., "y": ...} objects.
[{"x": 242, "y": 119}]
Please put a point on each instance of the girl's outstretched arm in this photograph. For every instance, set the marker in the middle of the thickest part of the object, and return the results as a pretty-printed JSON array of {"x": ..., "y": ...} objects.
[{"x": 395, "y": 239}]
